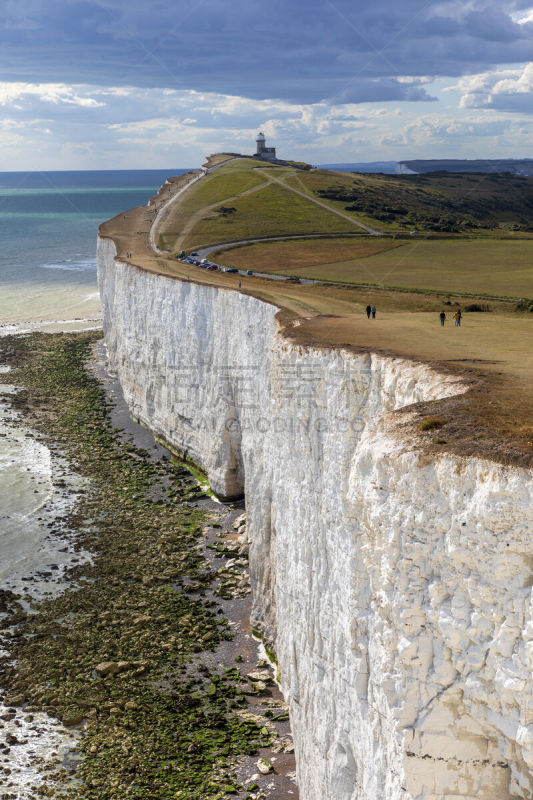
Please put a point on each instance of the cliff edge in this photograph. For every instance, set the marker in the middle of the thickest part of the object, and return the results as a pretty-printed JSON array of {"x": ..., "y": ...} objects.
[{"x": 391, "y": 575}]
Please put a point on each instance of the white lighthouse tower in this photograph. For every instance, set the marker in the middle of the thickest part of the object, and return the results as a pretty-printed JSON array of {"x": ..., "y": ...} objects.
[
  {"x": 264, "y": 152},
  {"x": 261, "y": 141}
]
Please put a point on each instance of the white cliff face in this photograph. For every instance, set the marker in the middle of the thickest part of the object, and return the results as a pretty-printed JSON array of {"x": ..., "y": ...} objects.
[{"x": 395, "y": 587}]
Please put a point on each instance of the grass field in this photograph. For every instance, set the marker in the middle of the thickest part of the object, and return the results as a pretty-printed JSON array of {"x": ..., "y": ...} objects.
[
  {"x": 444, "y": 205},
  {"x": 285, "y": 256},
  {"x": 280, "y": 211},
  {"x": 319, "y": 180},
  {"x": 501, "y": 268},
  {"x": 237, "y": 177}
]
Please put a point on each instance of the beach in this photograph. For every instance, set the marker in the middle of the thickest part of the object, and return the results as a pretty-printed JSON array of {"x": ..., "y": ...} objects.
[
  {"x": 147, "y": 631},
  {"x": 97, "y": 526}
]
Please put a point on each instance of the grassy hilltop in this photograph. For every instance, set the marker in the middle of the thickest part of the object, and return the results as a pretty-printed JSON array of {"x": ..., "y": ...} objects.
[
  {"x": 358, "y": 259},
  {"x": 474, "y": 232}
]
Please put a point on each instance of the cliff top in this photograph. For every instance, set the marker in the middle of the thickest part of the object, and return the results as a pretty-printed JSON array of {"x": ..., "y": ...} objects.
[{"x": 491, "y": 351}]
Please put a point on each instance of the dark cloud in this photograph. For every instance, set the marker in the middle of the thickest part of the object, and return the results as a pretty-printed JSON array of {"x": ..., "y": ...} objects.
[
  {"x": 289, "y": 49},
  {"x": 380, "y": 90},
  {"x": 521, "y": 102}
]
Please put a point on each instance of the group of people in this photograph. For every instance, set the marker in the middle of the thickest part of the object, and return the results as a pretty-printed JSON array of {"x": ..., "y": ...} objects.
[
  {"x": 371, "y": 312},
  {"x": 456, "y": 318}
]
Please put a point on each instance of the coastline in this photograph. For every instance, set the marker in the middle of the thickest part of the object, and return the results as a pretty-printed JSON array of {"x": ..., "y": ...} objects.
[
  {"x": 76, "y": 325},
  {"x": 353, "y": 527},
  {"x": 135, "y": 445},
  {"x": 39, "y": 492}
]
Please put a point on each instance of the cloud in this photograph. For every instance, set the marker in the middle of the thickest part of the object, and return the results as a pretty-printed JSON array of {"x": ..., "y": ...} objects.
[
  {"x": 382, "y": 90},
  {"x": 291, "y": 50},
  {"x": 54, "y": 93},
  {"x": 501, "y": 90}
]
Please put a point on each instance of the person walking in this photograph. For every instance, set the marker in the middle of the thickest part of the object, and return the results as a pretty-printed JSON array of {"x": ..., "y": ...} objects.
[
  {"x": 457, "y": 318},
  {"x": 442, "y": 318},
  {"x": 368, "y": 310},
  {"x": 373, "y": 311}
]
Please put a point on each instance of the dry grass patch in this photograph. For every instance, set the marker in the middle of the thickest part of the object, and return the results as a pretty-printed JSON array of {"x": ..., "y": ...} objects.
[{"x": 285, "y": 256}]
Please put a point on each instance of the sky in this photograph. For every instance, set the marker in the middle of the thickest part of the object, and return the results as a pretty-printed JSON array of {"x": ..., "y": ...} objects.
[{"x": 125, "y": 84}]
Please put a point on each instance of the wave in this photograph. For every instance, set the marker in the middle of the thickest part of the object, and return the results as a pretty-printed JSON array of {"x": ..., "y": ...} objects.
[{"x": 70, "y": 265}]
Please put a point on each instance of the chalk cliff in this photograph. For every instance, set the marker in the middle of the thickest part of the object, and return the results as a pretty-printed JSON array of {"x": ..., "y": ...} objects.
[{"x": 394, "y": 586}]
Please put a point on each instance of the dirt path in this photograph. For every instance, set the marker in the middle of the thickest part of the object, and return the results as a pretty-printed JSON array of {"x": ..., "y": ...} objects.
[
  {"x": 163, "y": 211},
  {"x": 198, "y": 215},
  {"x": 309, "y": 197}
]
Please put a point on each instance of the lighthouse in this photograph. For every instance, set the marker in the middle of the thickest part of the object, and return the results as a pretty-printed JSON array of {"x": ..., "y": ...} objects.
[
  {"x": 260, "y": 140},
  {"x": 262, "y": 151}
]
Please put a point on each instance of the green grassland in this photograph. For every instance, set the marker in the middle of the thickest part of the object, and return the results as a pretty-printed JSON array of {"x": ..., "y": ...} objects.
[
  {"x": 439, "y": 204},
  {"x": 499, "y": 268},
  {"x": 223, "y": 183},
  {"x": 317, "y": 181},
  {"x": 287, "y": 256},
  {"x": 269, "y": 211}
]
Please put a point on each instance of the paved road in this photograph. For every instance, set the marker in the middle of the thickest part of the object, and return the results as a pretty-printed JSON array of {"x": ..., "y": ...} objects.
[{"x": 204, "y": 251}]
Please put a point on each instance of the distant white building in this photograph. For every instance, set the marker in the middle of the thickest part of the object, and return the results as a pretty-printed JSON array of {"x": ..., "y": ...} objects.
[
  {"x": 401, "y": 168},
  {"x": 264, "y": 152}
]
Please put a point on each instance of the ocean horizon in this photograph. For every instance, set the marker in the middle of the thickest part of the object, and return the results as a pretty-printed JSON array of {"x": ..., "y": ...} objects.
[{"x": 48, "y": 228}]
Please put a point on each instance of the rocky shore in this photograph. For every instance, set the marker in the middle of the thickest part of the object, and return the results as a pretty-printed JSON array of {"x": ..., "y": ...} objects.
[{"x": 146, "y": 659}]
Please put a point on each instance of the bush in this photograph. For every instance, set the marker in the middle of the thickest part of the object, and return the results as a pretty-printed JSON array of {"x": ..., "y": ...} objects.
[
  {"x": 431, "y": 423},
  {"x": 477, "y": 307}
]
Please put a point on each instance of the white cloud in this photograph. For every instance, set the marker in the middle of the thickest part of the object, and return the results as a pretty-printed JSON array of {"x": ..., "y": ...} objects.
[
  {"x": 54, "y": 93},
  {"x": 75, "y": 127},
  {"x": 503, "y": 90}
]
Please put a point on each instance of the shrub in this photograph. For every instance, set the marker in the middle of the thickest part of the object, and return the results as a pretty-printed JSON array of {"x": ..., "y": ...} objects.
[
  {"x": 431, "y": 423},
  {"x": 477, "y": 307}
]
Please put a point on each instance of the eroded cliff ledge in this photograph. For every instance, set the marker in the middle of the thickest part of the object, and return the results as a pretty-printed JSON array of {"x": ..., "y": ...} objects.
[{"x": 394, "y": 583}]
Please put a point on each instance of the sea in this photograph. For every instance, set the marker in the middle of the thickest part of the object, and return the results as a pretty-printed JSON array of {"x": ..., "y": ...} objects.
[{"x": 48, "y": 228}]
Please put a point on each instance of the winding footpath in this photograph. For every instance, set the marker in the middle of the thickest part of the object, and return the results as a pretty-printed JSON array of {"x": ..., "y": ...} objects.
[{"x": 223, "y": 245}]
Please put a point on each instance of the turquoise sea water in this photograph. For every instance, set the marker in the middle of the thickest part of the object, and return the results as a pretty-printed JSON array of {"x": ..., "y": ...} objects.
[{"x": 48, "y": 227}]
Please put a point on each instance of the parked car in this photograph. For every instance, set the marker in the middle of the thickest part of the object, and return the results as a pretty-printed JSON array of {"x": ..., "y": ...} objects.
[
  {"x": 293, "y": 280},
  {"x": 194, "y": 253},
  {"x": 248, "y": 272},
  {"x": 231, "y": 269},
  {"x": 212, "y": 267},
  {"x": 197, "y": 263}
]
